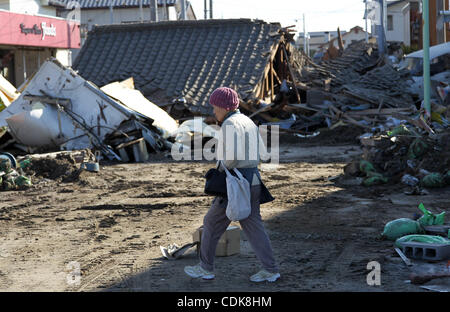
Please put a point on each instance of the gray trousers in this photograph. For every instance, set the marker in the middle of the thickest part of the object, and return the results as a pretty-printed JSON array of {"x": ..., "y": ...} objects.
[{"x": 216, "y": 222}]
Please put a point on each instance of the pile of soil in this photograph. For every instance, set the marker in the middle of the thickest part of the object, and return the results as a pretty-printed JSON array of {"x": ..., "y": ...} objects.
[{"x": 60, "y": 168}]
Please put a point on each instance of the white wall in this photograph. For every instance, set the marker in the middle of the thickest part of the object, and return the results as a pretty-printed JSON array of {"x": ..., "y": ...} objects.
[
  {"x": 103, "y": 16},
  {"x": 352, "y": 36},
  {"x": 4, "y": 5},
  {"x": 27, "y": 7},
  {"x": 407, "y": 28},
  {"x": 397, "y": 34},
  {"x": 64, "y": 56},
  {"x": 401, "y": 31},
  {"x": 349, "y": 37}
]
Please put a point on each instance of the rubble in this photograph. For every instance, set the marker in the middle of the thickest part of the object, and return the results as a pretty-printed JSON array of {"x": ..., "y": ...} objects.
[
  {"x": 59, "y": 110},
  {"x": 64, "y": 166},
  {"x": 401, "y": 144},
  {"x": 356, "y": 88},
  {"x": 415, "y": 160}
]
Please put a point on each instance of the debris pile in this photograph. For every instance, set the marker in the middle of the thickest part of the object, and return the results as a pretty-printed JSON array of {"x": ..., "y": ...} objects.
[
  {"x": 427, "y": 237},
  {"x": 59, "y": 110},
  {"x": 402, "y": 143},
  {"x": 64, "y": 166},
  {"x": 358, "y": 88},
  {"x": 405, "y": 156},
  {"x": 11, "y": 175}
]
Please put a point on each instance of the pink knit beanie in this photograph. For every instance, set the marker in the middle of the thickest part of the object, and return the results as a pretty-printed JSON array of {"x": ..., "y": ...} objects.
[{"x": 225, "y": 97}]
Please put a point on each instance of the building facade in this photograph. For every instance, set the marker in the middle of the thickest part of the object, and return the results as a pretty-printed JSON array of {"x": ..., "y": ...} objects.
[
  {"x": 398, "y": 22},
  {"x": 404, "y": 22},
  {"x": 316, "y": 39},
  {"x": 353, "y": 35},
  {"x": 29, "y": 37}
]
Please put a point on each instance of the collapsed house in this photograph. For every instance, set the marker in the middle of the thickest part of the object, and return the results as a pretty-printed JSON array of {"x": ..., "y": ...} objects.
[
  {"x": 358, "y": 88},
  {"x": 136, "y": 66},
  {"x": 178, "y": 64},
  {"x": 153, "y": 75}
]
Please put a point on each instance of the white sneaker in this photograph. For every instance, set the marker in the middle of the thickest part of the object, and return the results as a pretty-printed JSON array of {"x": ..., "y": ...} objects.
[
  {"x": 264, "y": 275},
  {"x": 197, "y": 271}
]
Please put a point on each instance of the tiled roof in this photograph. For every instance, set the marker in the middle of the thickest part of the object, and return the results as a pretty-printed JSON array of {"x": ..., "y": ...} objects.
[
  {"x": 181, "y": 58},
  {"x": 100, "y": 4}
]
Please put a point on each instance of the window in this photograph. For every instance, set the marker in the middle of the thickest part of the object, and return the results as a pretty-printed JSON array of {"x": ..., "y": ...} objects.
[{"x": 390, "y": 22}]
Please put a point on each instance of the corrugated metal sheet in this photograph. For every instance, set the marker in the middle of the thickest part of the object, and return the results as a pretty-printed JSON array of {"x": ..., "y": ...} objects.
[
  {"x": 180, "y": 58},
  {"x": 99, "y": 4}
]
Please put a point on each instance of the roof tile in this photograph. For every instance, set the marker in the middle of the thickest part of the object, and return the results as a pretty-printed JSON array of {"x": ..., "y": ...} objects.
[{"x": 187, "y": 58}]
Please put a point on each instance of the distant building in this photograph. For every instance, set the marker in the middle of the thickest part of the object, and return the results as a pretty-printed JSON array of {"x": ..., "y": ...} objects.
[
  {"x": 30, "y": 33},
  {"x": 404, "y": 22},
  {"x": 316, "y": 39},
  {"x": 398, "y": 22},
  {"x": 33, "y": 7},
  {"x": 353, "y": 35}
]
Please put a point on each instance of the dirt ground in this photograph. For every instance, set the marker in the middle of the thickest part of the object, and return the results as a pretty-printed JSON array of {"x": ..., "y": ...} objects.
[{"x": 110, "y": 224}]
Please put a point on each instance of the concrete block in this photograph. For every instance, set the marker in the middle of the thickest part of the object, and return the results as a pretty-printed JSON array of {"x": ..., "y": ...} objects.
[
  {"x": 437, "y": 229},
  {"x": 423, "y": 251},
  {"x": 229, "y": 243}
]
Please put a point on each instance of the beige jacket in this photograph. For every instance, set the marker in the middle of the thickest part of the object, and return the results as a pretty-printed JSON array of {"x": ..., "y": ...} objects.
[{"x": 238, "y": 145}]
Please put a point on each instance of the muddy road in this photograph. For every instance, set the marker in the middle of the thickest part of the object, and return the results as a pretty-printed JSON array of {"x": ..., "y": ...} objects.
[{"x": 103, "y": 231}]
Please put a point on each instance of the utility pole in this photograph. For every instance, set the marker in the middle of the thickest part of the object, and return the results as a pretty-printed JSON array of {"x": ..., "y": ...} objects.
[
  {"x": 183, "y": 10},
  {"x": 211, "y": 9},
  {"x": 111, "y": 13},
  {"x": 426, "y": 56},
  {"x": 141, "y": 12},
  {"x": 205, "y": 4},
  {"x": 304, "y": 33},
  {"x": 166, "y": 16},
  {"x": 365, "y": 16},
  {"x": 153, "y": 10},
  {"x": 380, "y": 29}
]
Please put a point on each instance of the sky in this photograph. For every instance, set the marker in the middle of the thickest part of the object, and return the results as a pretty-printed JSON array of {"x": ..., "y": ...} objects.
[{"x": 320, "y": 15}]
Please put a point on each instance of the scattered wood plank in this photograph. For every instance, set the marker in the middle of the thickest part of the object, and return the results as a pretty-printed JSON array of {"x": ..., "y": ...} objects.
[
  {"x": 304, "y": 106},
  {"x": 129, "y": 143},
  {"x": 249, "y": 108},
  {"x": 272, "y": 90},
  {"x": 261, "y": 110},
  {"x": 404, "y": 258},
  {"x": 274, "y": 73},
  {"x": 384, "y": 111}
]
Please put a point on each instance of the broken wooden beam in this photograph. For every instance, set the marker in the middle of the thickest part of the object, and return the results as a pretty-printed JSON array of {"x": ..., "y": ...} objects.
[{"x": 291, "y": 73}]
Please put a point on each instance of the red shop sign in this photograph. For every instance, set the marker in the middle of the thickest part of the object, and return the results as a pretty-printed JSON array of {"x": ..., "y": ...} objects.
[{"x": 38, "y": 31}]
